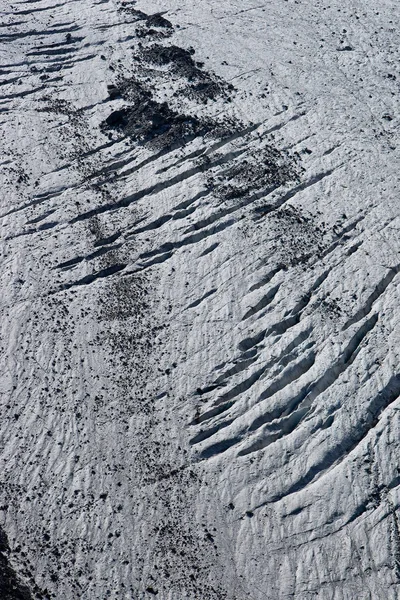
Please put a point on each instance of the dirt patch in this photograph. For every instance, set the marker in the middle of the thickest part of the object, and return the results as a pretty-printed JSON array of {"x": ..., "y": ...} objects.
[
  {"x": 179, "y": 60},
  {"x": 256, "y": 171},
  {"x": 199, "y": 84},
  {"x": 299, "y": 238},
  {"x": 157, "y": 20},
  {"x": 153, "y": 123},
  {"x": 10, "y": 587},
  {"x": 147, "y": 22}
]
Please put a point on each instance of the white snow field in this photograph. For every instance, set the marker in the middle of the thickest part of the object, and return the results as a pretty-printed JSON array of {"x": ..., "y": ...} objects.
[{"x": 200, "y": 268}]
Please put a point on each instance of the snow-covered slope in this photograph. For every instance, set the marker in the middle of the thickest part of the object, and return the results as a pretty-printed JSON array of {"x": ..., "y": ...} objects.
[{"x": 199, "y": 365}]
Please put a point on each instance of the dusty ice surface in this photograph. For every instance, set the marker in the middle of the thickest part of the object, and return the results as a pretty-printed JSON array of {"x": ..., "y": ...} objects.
[{"x": 199, "y": 300}]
